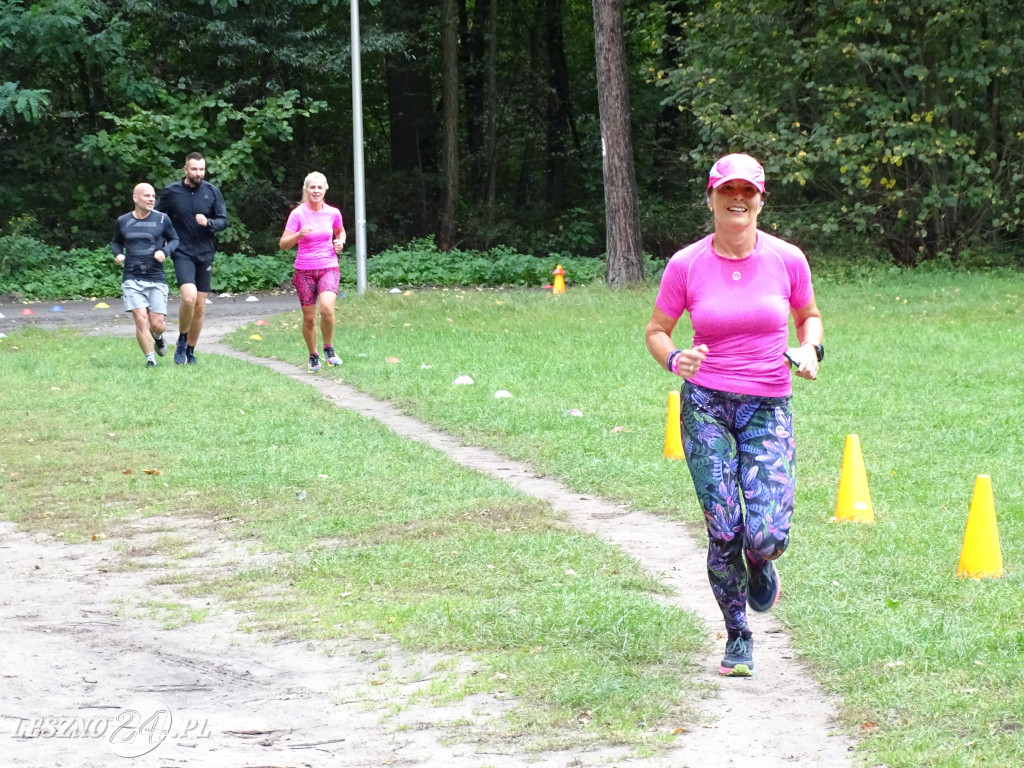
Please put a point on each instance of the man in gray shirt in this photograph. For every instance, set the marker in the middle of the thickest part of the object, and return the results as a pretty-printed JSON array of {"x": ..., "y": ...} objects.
[{"x": 143, "y": 238}]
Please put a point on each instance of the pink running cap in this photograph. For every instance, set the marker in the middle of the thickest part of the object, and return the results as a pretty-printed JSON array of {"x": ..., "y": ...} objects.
[{"x": 736, "y": 166}]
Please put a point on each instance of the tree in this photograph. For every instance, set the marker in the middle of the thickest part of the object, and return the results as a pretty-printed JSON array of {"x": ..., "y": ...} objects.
[
  {"x": 898, "y": 120},
  {"x": 450, "y": 123},
  {"x": 625, "y": 265}
]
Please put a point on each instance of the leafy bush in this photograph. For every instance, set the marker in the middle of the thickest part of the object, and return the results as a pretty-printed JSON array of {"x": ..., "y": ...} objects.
[
  {"x": 237, "y": 273},
  {"x": 33, "y": 270},
  {"x": 421, "y": 263}
]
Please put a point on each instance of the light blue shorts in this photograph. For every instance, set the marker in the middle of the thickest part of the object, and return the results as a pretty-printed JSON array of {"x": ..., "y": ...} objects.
[{"x": 143, "y": 294}]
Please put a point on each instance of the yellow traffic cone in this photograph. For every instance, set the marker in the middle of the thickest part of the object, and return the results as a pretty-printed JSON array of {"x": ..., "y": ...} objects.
[
  {"x": 673, "y": 429},
  {"x": 980, "y": 556},
  {"x": 854, "y": 500},
  {"x": 559, "y": 284}
]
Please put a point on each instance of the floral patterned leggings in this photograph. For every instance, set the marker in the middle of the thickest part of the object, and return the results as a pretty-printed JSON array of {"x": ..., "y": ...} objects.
[{"x": 742, "y": 458}]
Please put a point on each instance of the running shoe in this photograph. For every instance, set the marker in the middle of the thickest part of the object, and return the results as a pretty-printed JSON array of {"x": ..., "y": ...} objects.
[
  {"x": 332, "y": 358},
  {"x": 763, "y": 587},
  {"x": 151, "y": 363},
  {"x": 179, "y": 350},
  {"x": 739, "y": 656},
  {"x": 314, "y": 363},
  {"x": 190, "y": 357},
  {"x": 160, "y": 345}
]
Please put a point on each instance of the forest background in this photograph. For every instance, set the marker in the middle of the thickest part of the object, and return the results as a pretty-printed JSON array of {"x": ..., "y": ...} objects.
[{"x": 891, "y": 132}]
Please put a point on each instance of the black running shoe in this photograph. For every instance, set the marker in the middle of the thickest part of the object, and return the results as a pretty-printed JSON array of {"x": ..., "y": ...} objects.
[
  {"x": 314, "y": 364},
  {"x": 332, "y": 357},
  {"x": 179, "y": 349},
  {"x": 151, "y": 363},
  {"x": 739, "y": 656},
  {"x": 190, "y": 357},
  {"x": 763, "y": 587},
  {"x": 160, "y": 345}
]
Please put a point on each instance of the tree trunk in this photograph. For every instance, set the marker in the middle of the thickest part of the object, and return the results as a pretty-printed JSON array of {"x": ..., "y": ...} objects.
[
  {"x": 625, "y": 264},
  {"x": 491, "y": 109},
  {"x": 450, "y": 121},
  {"x": 559, "y": 115}
]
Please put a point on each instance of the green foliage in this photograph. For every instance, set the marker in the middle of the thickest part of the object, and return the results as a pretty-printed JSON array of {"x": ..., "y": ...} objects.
[
  {"x": 421, "y": 263},
  {"x": 236, "y": 273},
  {"x": 905, "y": 115},
  {"x": 33, "y": 270},
  {"x": 28, "y": 104}
]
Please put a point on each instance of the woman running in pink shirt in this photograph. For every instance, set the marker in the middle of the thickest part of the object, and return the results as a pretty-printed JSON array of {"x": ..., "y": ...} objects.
[
  {"x": 740, "y": 285},
  {"x": 318, "y": 231}
]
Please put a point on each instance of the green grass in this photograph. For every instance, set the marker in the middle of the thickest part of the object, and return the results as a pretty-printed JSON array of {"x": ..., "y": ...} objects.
[
  {"x": 397, "y": 541},
  {"x": 926, "y": 369},
  {"x": 376, "y": 536}
]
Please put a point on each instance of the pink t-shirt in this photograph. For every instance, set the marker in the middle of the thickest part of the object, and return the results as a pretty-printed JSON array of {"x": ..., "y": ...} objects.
[
  {"x": 740, "y": 308},
  {"x": 316, "y": 250}
]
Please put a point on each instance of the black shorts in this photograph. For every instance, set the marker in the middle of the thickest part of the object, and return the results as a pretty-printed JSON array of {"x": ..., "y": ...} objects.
[{"x": 188, "y": 270}]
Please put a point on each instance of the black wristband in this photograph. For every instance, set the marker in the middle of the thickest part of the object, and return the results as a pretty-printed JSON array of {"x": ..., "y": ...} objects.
[{"x": 671, "y": 359}]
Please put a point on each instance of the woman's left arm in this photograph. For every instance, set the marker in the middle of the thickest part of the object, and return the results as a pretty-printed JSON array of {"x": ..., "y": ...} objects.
[{"x": 810, "y": 331}]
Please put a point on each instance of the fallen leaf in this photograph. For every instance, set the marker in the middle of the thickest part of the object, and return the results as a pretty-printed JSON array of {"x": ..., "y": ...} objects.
[
  {"x": 394, "y": 360},
  {"x": 153, "y": 472},
  {"x": 126, "y": 471}
]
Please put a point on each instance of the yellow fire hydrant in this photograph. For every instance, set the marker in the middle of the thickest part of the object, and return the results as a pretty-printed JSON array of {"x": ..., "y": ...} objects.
[{"x": 559, "y": 284}]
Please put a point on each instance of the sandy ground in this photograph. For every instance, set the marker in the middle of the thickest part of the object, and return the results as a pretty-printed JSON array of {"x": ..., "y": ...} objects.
[{"x": 90, "y": 677}]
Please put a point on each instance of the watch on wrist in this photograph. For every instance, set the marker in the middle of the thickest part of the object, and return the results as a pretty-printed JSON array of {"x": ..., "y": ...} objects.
[{"x": 819, "y": 350}]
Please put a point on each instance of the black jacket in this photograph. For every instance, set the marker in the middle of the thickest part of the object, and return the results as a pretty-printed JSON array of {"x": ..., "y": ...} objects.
[{"x": 182, "y": 203}]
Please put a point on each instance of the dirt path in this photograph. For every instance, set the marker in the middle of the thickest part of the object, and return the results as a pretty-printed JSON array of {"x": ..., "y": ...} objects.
[{"x": 76, "y": 643}]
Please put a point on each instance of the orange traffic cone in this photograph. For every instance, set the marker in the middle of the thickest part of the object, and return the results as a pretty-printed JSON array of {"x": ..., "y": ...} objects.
[
  {"x": 673, "y": 430},
  {"x": 980, "y": 556},
  {"x": 854, "y": 501},
  {"x": 559, "y": 284}
]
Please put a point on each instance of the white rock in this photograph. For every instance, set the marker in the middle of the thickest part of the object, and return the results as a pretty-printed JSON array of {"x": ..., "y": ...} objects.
[
  {"x": 225, "y": 295},
  {"x": 503, "y": 394},
  {"x": 461, "y": 380},
  {"x": 251, "y": 298},
  {"x": 395, "y": 290}
]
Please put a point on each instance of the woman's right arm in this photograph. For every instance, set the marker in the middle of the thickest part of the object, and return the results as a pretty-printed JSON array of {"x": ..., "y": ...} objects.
[
  {"x": 659, "y": 336},
  {"x": 660, "y": 345},
  {"x": 289, "y": 239}
]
